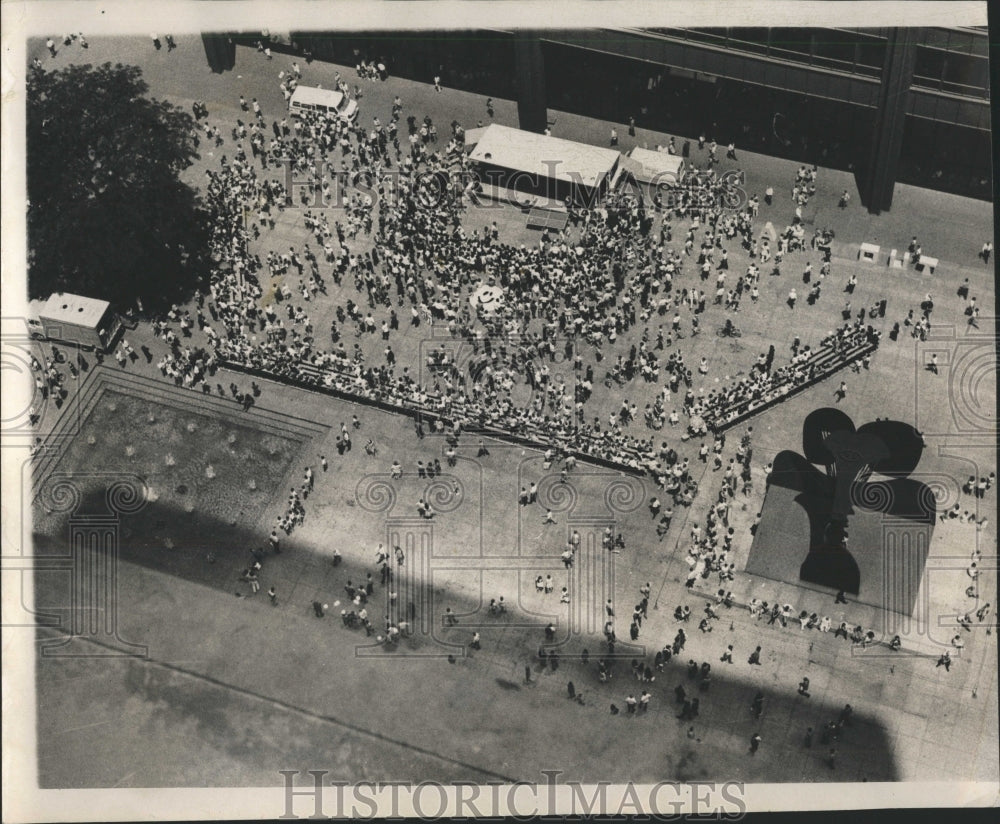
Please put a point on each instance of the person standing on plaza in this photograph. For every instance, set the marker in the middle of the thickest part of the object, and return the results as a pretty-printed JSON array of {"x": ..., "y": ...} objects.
[{"x": 755, "y": 740}]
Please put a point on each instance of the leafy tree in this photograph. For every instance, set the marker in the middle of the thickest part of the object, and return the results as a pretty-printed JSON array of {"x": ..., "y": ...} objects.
[{"x": 108, "y": 215}]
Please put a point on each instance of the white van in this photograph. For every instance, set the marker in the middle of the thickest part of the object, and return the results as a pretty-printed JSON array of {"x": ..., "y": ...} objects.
[{"x": 312, "y": 99}]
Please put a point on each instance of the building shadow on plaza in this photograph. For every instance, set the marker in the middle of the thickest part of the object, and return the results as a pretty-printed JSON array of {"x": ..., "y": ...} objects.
[{"x": 209, "y": 553}]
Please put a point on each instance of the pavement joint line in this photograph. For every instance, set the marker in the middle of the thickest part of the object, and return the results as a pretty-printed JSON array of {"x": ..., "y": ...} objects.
[
  {"x": 56, "y": 441},
  {"x": 329, "y": 719},
  {"x": 170, "y": 392},
  {"x": 874, "y": 272},
  {"x": 105, "y": 379}
]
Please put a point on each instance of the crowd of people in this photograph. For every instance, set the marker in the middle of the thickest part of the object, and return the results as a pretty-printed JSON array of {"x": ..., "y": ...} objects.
[
  {"x": 611, "y": 275},
  {"x": 401, "y": 241},
  {"x": 850, "y": 343},
  {"x": 619, "y": 273}
]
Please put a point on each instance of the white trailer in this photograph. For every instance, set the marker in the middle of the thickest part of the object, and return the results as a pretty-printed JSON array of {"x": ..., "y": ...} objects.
[{"x": 86, "y": 322}]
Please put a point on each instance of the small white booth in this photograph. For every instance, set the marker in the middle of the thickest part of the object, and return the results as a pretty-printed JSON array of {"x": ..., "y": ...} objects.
[{"x": 74, "y": 319}]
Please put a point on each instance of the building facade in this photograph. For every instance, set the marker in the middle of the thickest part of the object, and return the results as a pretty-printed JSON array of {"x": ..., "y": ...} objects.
[{"x": 908, "y": 105}]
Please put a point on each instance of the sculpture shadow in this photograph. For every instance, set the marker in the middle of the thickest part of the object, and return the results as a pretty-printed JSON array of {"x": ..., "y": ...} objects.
[{"x": 865, "y": 537}]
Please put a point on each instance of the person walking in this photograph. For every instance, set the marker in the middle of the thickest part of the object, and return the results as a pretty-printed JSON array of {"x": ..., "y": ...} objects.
[
  {"x": 754, "y": 657},
  {"x": 755, "y": 740}
]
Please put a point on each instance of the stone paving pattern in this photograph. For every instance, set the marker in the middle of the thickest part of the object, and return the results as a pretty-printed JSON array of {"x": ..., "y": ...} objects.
[{"x": 235, "y": 689}]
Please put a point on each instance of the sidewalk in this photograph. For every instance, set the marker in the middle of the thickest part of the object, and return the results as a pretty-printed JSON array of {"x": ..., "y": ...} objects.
[{"x": 284, "y": 661}]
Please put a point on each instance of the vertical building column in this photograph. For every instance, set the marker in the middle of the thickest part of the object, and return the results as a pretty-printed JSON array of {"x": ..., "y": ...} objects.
[
  {"x": 529, "y": 68},
  {"x": 220, "y": 51},
  {"x": 879, "y": 177},
  {"x": 94, "y": 560},
  {"x": 591, "y": 578}
]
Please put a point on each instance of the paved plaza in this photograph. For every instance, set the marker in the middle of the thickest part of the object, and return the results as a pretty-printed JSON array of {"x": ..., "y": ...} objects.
[{"x": 205, "y": 683}]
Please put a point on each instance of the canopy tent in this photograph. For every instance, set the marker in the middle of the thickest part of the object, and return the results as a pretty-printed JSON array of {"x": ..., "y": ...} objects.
[
  {"x": 542, "y": 165},
  {"x": 473, "y": 136},
  {"x": 657, "y": 167}
]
